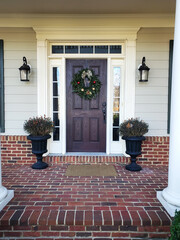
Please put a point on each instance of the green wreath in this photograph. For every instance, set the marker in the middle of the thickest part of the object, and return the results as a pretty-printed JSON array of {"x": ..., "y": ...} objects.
[{"x": 86, "y": 84}]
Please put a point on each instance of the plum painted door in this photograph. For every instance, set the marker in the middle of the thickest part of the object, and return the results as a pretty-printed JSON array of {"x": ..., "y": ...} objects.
[{"x": 86, "y": 122}]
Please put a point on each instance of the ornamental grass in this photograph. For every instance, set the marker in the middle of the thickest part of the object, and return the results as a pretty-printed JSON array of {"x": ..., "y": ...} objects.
[
  {"x": 133, "y": 128},
  {"x": 39, "y": 126}
]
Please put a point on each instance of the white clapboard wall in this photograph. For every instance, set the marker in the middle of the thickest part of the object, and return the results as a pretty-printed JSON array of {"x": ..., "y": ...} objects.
[
  {"x": 20, "y": 97},
  {"x": 152, "y": 97}
]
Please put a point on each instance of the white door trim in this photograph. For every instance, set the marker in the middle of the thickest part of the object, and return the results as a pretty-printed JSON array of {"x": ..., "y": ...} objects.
[
  {"x": 112, "y": 147},
  {"x": 129, "y": 58}
]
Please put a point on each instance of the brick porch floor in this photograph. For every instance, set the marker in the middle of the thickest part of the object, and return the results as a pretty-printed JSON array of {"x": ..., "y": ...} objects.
[{"x": 49, "y": 205}]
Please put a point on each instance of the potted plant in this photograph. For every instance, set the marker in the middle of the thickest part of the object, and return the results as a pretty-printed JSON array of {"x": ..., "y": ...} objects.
[
  {"x": 39, "y": 129},
  {"x": 132, "y": 131}
]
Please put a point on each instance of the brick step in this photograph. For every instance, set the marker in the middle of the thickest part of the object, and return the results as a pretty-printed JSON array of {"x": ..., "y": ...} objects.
[
  {"x": 86, "y": 159},
  {"x": 117, "y": 224},
  {"x": 48, "y": 204}
]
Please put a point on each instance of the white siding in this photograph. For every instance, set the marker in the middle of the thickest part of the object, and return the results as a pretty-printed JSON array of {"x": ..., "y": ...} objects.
[
  {"x": 20, "y": 97},
  {"x": 152, "y": 97}
]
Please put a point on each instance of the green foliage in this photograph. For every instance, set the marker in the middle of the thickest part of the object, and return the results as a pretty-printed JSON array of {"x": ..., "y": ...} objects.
[
  {"x": 78, "y": 84},
  {"x": 133, "y": 127},
  {"x": 38, "y": 126},
  {"x": 175, "y": 227}
]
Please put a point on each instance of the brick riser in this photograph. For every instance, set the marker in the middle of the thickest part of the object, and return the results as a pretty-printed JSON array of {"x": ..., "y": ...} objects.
[
  {"x": 69, "y": 232},
  {"x": 17, "y": 150},
  {"x": 86, "y": 159}
]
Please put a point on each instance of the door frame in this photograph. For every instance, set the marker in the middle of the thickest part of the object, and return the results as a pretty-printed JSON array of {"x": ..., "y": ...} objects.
[
  {"x": 103, "y": 98},
  {"x": 112, "y": 61},
  {"x": 127, "y": 62},
  {"x": 88, "y": 35}
]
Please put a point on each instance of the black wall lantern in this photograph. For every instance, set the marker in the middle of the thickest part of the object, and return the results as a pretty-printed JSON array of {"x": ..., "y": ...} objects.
[
  {"x": 25, "y": 70},
  {"x": 144, "y": 71}
]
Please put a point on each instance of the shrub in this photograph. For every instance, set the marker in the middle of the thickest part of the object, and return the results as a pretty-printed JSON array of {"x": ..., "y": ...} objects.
[
  {"x": 133, "y": 127},
  {"x": 39, "y": 126},
  {"x": 175, "y": 227}
]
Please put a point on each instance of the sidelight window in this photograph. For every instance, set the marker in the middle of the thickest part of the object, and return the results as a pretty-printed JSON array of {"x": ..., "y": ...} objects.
[
  {"x": 116, "y": 102},
  {"x": 55, "y": 108}
]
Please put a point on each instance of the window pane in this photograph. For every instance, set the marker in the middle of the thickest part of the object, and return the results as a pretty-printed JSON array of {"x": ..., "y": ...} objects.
[
  {"x": 55, "y": 104},
  {"x": 56, "y": 134},
  {"x": 56, "y": 119},
  {"x": 116, "y": 76},
  {"x": 115, "y": 49},
  {"x": 54, "y": 74},
  {"x": 86, "y": 49},
  {"x": 55, "y": 89},
  {"x": 116, "y": 81},
  {"x": 115, "y": 134},
  {"x": 116, "y": 119},
  {"x": 57, "y": 49},
  {"x": 71, "y": 49},
  {"x": 116, "y": 91},
  {"x": 101, "y": 49},
  {"x": 116, "y": 105}
]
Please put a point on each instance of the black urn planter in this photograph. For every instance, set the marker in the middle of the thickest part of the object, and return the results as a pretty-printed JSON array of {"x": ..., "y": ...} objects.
[
  {"x": 133, "y": 148},
  {"x": 39, "y": 147}
]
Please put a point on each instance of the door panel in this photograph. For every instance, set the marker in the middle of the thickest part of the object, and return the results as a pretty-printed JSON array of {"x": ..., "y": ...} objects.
[{"x": 86, "y": 128}]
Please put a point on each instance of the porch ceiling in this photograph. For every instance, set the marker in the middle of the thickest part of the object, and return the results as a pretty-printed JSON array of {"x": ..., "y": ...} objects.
[{"x": 86, "y": 6}]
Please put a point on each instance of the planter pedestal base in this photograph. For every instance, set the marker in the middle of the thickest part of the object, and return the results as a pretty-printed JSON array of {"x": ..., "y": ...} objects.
[
  {"x": 133, "y": 167},
  {"x": 39, "y": 165}
]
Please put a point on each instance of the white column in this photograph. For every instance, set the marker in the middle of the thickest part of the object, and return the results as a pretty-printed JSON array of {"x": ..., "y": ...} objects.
[
  {"x": 42, "y": 77},
  {"x": 5, "y": 195},
  {"x": 129, "y": 101},
  {"x": 171, "y": 194}
]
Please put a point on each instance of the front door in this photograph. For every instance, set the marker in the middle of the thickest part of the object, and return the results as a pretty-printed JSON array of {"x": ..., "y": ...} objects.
[{"x": 86, "y": 123}]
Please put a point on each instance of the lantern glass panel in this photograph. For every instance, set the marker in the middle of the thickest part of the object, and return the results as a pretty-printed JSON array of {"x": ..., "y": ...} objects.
[
  {"x": 144, "y": 75},
  {"x": 24, "y": 75}
]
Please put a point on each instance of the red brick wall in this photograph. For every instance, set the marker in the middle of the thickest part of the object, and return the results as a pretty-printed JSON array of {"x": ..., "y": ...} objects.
[
  {"x": 155, "y": 150},
  {"x": 17, "y": 150}
]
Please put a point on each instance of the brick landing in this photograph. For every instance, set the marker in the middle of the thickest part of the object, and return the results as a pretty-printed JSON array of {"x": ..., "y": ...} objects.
[{"x": 49, "y": 205}]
